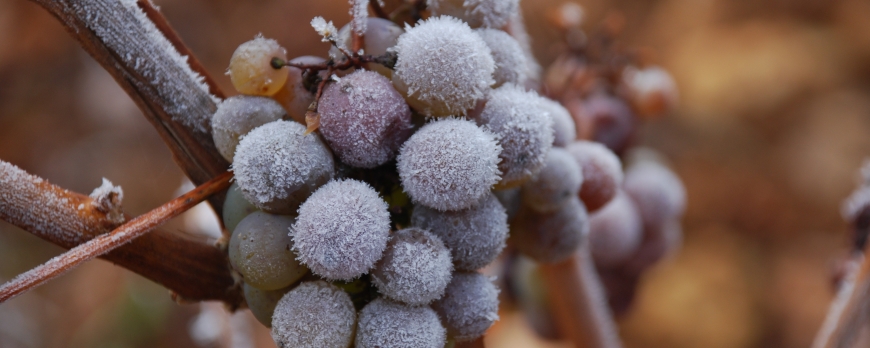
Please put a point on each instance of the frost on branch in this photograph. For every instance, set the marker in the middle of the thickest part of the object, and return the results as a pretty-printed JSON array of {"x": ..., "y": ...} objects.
[
  {"x": 359, "y": 11},
  {"x": 107, "y": 198},
  {"x": 326, "y": 29},
  {"x": 125, "y": 29}
]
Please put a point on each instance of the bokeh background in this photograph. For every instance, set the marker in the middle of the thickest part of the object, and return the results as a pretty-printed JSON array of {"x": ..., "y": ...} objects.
[{"x": 774, "y": 122}]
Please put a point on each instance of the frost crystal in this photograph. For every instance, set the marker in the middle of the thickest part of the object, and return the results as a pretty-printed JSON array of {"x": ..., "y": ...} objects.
[
  {"x": 316, "y": 315},
  {"x": 342, "y": 230},
  {"x": 359, "y": 11},
  {"x": 565, "y": 132},
  {"x": 384, "y": 323},
  {"x": 236, "y": 116},
  {"x": 469, "y": 307},
  {"x": 449, "y": 164},
  {"x": 326, "y": 29},
  {"x": 510, "y": 61},
  {"x": 107, "y": 198},
  {"x": 277, "y": 167},
  {"x": 524, "y": 130},
  {"x": 474, "y": 236},
  {"x": 478, "y": 13},
  {"x": 443, "y": 66},
  {"x": 415, "y": 269}
]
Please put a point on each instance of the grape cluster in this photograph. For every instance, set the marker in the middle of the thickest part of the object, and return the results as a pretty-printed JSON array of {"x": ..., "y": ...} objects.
[{"x": 367, "y": 201}]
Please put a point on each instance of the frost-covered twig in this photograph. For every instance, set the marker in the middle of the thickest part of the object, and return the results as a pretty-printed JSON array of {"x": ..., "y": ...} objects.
[
  {"x": 192, "y": 270},
  {"x": 579, "y": 302},
  {"x": 132, "y": 45},
  {"x": 849, "y": 312}
]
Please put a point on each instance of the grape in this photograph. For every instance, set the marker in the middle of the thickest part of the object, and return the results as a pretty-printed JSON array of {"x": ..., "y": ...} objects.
[
  {"x": 524, "y": 131},
  {"x": 260, "y": 250},
  {"x": 555, "y": 184},
  {"x": 565, "y": 132},
  {"x": 262, "y": 302},
  {"x": 657, "y": 192},
  {"x": 277, "y": 167},
  {"x": 316, "y": 315},
  {"x": 510, "y": 61},
  {"x": 553, "y": 236},
  {"x": 384, "y": 323},
  {"x": 602, "y": 173},
  {"x": 449, "y": 164},
  {"x": 363, "y": 119},
  {"x": 610, "y": 118},
  {"x": 342, "y": 230},
  {"x": 654, "y": 91},
  {"x": 469, "y": 306},
  {"x": 477, "y": 13},
  {"x": 380, "y": 35},
  {"x": 415, "y": 268},
  {"x": 236, "y": 116},
  {"x": 236, "y": 208},
  {"x": 475, "y": 236},
  {"x": 443, "y": 67},
  {"x": 615, "y": 232},
  {"x": 251, "y": 67},
  {"x": 294, "y": 96}
]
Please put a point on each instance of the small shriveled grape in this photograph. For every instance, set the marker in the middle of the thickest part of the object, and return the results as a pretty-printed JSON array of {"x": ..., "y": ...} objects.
[
  {"x": 314, "y": 315},
  {"x": 251, "y": 68},
  {"x": 236, "y": 208},
  {"x": 236, "y": 116},
  {"x": 415, "y": 268},
  {"x": 469, "y": 306},
  {"x": 260, "y": 250},
  {"x": 384, "y": 323},
  {"x": 602, "y": 173}
]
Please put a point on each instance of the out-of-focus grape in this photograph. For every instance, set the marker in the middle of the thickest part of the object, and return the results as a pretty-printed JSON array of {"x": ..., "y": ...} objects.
[
  {"x": 477, "y": 13},
  {"x": 510, "y": 62},
  {"x": 555, "y": 184},
  {"x": 602, "y": 173},
  {"x": 615, "y": 232},
  {"x": 552, "y": 236}
]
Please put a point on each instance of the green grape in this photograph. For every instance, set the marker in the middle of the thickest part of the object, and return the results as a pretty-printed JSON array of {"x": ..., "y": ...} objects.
[
  {"x": 236, "y": 208},
  {"x": 261, "y": 250},
  {"x": 262, "y": 302}
]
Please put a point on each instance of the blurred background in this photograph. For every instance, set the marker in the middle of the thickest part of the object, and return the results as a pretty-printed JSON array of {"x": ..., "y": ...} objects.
[{"x": 773, "y": 124}]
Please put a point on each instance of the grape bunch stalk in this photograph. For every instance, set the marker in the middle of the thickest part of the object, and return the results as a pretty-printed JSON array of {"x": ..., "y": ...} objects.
[{"x": 374, "y": 184}]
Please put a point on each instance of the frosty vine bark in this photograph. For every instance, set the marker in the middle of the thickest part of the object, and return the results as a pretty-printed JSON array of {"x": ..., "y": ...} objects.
[{"x": 129, "y": 39}]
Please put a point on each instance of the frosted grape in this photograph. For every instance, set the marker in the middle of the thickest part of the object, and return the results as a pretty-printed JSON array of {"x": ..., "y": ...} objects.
[
  {"x": 415, "y": 268},
  {"x": 262, "y": 302},
  {"x": 657, "y": 192},
  {"x": 295, "y": 96},
  {"x": 342, "y": 230},
  {"x": 475, "y": 236},
  {"x": 260, "y": 250},
  {"x": 477, "y": 13},
  {"x": 657, "y": 242},
  {"x": 565, "y": 131},
  {"x": 277, "y": 167},
  {"x": 384, "y": 323},
  {"x": 469, "y": 306},
  {"x": 236, "y": 208},
  {"x": 510, "y": 61},
  {"x": 555, "y": 184},
  {"x": 251, "y": 70},
  {"x": 654, "y": 91},
  {"x": 610, "y": 119},
  {"x": 524, "y": 131},
  {"x": 449, "y": 164},
  {"x": 236, "y": 116},
  {"x": 602, "y": 173},
  {"x": 552, "y": 236},
  {"x": 615, "y": 232},
  {"x": 380, "y": 35},
  {"x": 314, "y": 315},
  {"x": 443, "y": 67},
  {"x": 363, "y": 119}
]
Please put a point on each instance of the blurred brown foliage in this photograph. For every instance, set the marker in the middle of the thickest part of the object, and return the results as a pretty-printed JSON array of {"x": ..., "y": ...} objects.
[{"x": 773, "y": 123}]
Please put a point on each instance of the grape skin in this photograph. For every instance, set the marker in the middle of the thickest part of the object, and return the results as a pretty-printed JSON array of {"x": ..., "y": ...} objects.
[
  {"x": 558, "y": 181},
  {"x": 615, "y": 232},
  {"x": 415, "y": 268},
  {"x": 260, "y": 250},
  {"x": 553, "y": 236},
  {"x": 657, "y": 192},
  {"x": 314, "y": 315},
  {"x": 469, "y": 306},
  {"x": 510, "y": 62},
  {"x": 602, "y": 173},
  {"x": 384, "y": 323},
  {"x": 565, "y": 131},
  {"x": 236, "y": 116},
  {"x": 262, "y": 302},
  {"x": 251, "y": 70},
  {"x": 236, "y": 208}
]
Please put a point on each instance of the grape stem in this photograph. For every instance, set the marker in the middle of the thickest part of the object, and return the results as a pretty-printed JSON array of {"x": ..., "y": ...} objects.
[{"x": 378, "y": 10}]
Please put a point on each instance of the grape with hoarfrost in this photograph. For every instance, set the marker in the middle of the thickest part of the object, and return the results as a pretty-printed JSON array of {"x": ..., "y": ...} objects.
[
  {"x": 262, "y": 302},
  {"x": 277, "y": 166},
  {"x": 314, "y": 315},
  {"x": 524, "y": 131},
  {"x": 443, "y": 67},
  {"x": 615, "y": 232},
  {"x": 565, "y": 131},
  {"x": 656, "y": 191},
  {"x": 251, "y": 68},
  {"x": 363, "y": 119},
  {"x": 609, "y": 119},
  {"x": 477, "y": 13},
  {"x": 469, "y": 306},
  {"x": 552, "y": 236},
  {"x": 380, "y": 35},
  {"x": 236, "y": 116},
  {"x": 475, "y": 236},
  {"x": 236, "y": 208},
  {"x": 415, "y": 268},
  {"x": 657, "y": 242},
  {"x": 295, "y": 96},
  {"x": 555, "y": 184},
  {"x": 260, "y": 250},
  {"x": 602, "y": 173},
  {"x": 510, "y": 61},
  {"x": 449, "y": 164},
  {"x": 342, "y": 230},
  {"x": 384, "y": 323}
]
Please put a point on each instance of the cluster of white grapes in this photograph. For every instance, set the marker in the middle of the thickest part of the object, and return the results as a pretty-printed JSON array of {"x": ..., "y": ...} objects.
[{"x": 371, "y": 231}]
